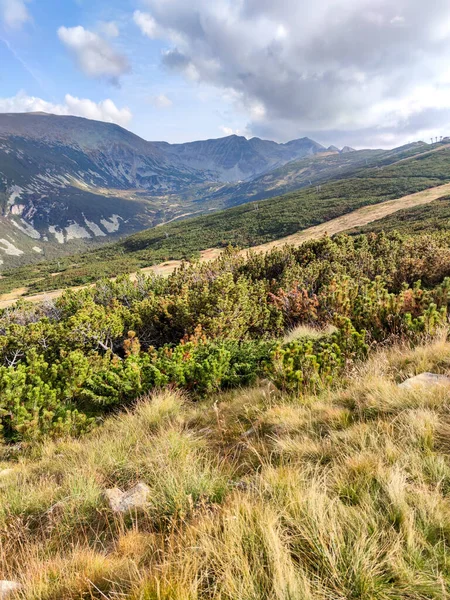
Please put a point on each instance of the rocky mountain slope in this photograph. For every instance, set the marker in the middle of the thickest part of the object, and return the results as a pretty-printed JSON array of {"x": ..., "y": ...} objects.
[
  {"x": 234, "y": 158},
  {"x": 68, "y": 181},
  {"x": 308, "y": 171}
]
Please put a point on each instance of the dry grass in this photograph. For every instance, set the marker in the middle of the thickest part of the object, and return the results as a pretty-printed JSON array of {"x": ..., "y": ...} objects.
[
  {"x": 254, "y": 495},
  {"x": 305, "y": 331}
]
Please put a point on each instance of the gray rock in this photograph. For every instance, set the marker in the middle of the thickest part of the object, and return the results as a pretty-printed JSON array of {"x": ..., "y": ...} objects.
[
  {"x": 7, "y": 588},
  {"x": 425, "y": 379},
  {"x": 6, "y": 472},
  {"x": 123, "y": 502},
  {"x": 114, "y": 497}
]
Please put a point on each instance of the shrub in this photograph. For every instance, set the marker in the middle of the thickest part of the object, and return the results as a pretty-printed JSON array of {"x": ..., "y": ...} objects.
[{"x": 309, "y": 364}]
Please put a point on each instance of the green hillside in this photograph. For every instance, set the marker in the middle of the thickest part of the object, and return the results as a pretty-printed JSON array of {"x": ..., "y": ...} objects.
[
  {"x": 430, "y": 217},
  {"x": 237, "y": 429},
  {"x": 244, "y": 226},
  {"x": 255, "y": 405}
]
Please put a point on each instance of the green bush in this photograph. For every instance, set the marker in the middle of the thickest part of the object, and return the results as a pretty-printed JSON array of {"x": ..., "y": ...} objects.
[
  {"x": 36, "y": 398},
  {"x": 64, "y": 364},
  {"x": 309, "y": 364}
]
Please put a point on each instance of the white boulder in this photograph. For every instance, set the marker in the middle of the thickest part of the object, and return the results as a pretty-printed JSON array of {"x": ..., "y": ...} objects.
[
  {"x": 424, "y": 380},
  {"x": 7, "y": 588},
  {"x": 135, "y": 497}
]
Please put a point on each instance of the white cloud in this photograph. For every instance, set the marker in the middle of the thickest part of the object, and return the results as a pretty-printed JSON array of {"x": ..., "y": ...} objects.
[
  {"x": 109, "y": 28},
  {"x": 397, "y": 20},
  {"x": 230, "y": 131},
  {"x": 105, "y": 110},
  {"x": 146, "y": 24},
  {"x": 14, "y": 13},
  {"x": 94, "y": 55},
  {"x": 226, "y": 130},
  {"x": 161, "y": 101},
  {"x": 297, "y": 67}
]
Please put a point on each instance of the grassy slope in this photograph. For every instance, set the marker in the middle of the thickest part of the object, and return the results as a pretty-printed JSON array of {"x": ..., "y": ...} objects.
[
  {"x": 246, "y": 225},
  {"x": 432, "y": 217},
  {"x": 254, "y": 495},
  {"x": 309, "y": 171}
]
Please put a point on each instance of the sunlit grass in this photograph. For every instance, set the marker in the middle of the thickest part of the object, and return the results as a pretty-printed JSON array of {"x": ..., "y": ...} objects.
[{"x": 254, "y": 495}]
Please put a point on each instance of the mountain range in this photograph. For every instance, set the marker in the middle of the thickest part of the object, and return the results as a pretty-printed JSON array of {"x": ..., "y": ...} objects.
[{"x": 66, "y": 182}]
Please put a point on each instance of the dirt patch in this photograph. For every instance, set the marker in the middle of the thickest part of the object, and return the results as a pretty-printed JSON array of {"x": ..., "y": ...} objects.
[
  {"x": 12, "y": 296},
  {"x": 359, "y": 217}
]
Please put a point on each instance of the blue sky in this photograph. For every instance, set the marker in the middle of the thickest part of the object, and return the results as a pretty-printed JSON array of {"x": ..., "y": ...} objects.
[
  {"x": 370, "y": 73},
  {"x": 164, "y": 105}
]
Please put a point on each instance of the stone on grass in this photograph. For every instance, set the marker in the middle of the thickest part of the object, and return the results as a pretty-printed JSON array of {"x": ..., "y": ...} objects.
[
  {"x": 6, "y": 473},
  {"x": 7, "y": 588},
  {"x": 135, "y": 497},
  {"x": 114, "y": 497},
  {"x": 424, "y": 380}
]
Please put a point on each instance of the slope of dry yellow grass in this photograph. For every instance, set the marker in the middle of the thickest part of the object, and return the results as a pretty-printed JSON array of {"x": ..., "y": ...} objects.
[{"x": 253, "y": 495}]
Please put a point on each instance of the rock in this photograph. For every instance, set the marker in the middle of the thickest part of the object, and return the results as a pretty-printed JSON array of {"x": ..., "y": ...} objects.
[
  {"x": 56, "y": 510},
  {"x": 114, "y": 497},
  {"x": 136, "y": 497},
  {"x": 249, "y": 432},
  {"x": 7, "y": 588},
  {"x": 425, "y": 379},
  {"x": 6, "y": 472}
]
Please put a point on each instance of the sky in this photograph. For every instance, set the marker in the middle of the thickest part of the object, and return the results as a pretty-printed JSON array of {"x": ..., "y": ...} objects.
[{"x": 364, "y": 73}]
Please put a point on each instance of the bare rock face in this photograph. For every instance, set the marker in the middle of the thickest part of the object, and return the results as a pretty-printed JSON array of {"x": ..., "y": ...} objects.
[
  {"x": 7, "y": 588},
  {"x": 123, "y": 502},
  {"x": 425, "y": 379}
]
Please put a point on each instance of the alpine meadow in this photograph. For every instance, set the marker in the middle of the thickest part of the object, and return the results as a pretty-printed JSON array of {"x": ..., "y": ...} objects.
[{"x": 225, "y": 363}]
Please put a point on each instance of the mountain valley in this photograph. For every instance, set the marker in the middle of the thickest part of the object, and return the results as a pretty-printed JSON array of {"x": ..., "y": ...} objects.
[
  {"x": 68, "y": 184},
  {"x": 67, "y": 181}
]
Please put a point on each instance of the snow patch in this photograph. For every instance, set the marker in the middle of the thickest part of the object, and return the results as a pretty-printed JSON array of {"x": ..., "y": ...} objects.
[
  {"x": 9, "y": 248},
  {"x": 27, "y": 229},
  {"x": 75, "y": 231},
  {"x": 37, "y": 249},
  {"x": 112, "y": 224},
  {"x": 59, "y": 235},
  {"x": 60, "y": 181},
  {"x": 14, "y": 193},
  {"x": 94, "y": 227},
  {"x": 17, "y": 209}
]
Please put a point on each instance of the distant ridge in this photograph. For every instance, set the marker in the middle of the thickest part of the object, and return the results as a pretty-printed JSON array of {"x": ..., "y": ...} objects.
[{"x": 67, "y": 182}]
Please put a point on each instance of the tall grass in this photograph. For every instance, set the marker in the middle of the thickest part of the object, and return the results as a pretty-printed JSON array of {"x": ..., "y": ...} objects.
[{"x": 254, "y": 495}]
